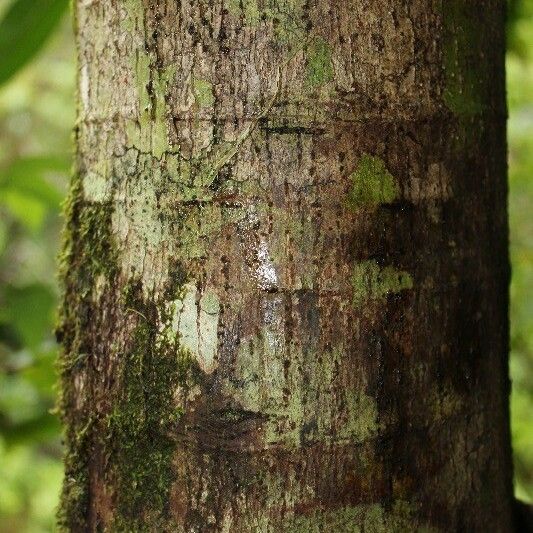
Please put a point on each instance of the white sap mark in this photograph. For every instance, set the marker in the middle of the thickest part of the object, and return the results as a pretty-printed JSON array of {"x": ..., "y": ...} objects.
[
  {"x": 256, "y": 252},
  {"x": 196, "y": 322},
  {"x": 265, "y": 271}
]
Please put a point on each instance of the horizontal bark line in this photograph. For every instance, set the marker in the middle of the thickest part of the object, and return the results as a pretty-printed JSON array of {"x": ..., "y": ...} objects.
[
  {"x": 442, "y": 114},
  {"x": 200, "y": 438}
]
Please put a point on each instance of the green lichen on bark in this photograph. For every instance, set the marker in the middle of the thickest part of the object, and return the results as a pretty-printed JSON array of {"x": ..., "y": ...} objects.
[
  {"x": 142, "y": 426},
  {"x": 361, "y": 417},
  {"x": 297, "y": 419},
  {"x": 286, "y": 17},
  {"x": 371, "y": 282},
  {"x": 203, "y": 93},
  {"x": 372, "y": 184},
  {"x": 249, "y": 8},
  {"x": 149, "y": 132},
  {"x": 371, "y": 517},
  {"x": 319, "y": 63},
  {"x": 134, "y": 19}
]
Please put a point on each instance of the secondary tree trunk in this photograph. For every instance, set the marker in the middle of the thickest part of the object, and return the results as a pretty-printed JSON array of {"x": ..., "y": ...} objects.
[{"x": 286, "y": 268}]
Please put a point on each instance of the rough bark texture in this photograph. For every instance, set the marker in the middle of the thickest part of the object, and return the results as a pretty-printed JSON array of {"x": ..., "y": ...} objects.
[{"x": 286, "y": 268}]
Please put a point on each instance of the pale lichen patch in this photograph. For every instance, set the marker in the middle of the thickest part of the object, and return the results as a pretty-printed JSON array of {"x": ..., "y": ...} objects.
[
  {"x": 149, "y": 133},
  {"x": 195, "y": 320},
  {"x": 97, "y": 187},
  {"x": 141, "y": 232}
]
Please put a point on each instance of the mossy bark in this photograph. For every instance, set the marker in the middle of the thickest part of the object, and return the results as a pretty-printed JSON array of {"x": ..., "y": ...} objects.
[{"x": 286, "y": 268}]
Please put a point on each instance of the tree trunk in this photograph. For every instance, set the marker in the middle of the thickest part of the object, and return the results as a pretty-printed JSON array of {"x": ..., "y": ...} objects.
[{"x": 286, "y": 268}]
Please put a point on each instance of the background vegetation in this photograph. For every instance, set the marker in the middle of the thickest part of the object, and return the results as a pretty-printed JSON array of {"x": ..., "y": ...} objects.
[
  {"x": 520, "y": 98},
  {"x": 37, "y": 114}
]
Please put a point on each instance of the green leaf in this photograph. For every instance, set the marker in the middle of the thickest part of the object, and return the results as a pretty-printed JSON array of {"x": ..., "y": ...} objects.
[
  {"x": 26, "y": 191},
  {"x": 24, "y": 29},
  {"x": 28, "y": 176},
  {"x": 3, "y": 236},
  {"x": 40, "y": 428},
  {"x": 19, "y": 400},
  {"x": 41, "y": 372},
  {"x": 30, "y": 310},
  {"x": 27, "y": 210}
]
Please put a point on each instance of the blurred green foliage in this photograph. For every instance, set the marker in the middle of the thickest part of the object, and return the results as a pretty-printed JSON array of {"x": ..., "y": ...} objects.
[
  {"x": 24, "y": 29},
  {"x": 520, "y": 97},
  {"x": 36, "y": 118}
]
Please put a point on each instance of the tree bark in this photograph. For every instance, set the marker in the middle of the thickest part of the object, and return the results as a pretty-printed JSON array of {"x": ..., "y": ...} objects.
[{"x": 286, "y": 268}]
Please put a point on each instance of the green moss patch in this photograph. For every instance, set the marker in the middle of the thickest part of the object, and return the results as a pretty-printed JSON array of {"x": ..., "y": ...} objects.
[
  {"x": 372, "y": 282},
  {"x": 89, "y": 254},
  {"x": 372, "y": 184},
  {"x": 143, "y": 422},
  {"x": 136, "y": 433},
  {"x": 319, "y": 63},
  {"x": 203, "y": 93}
]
